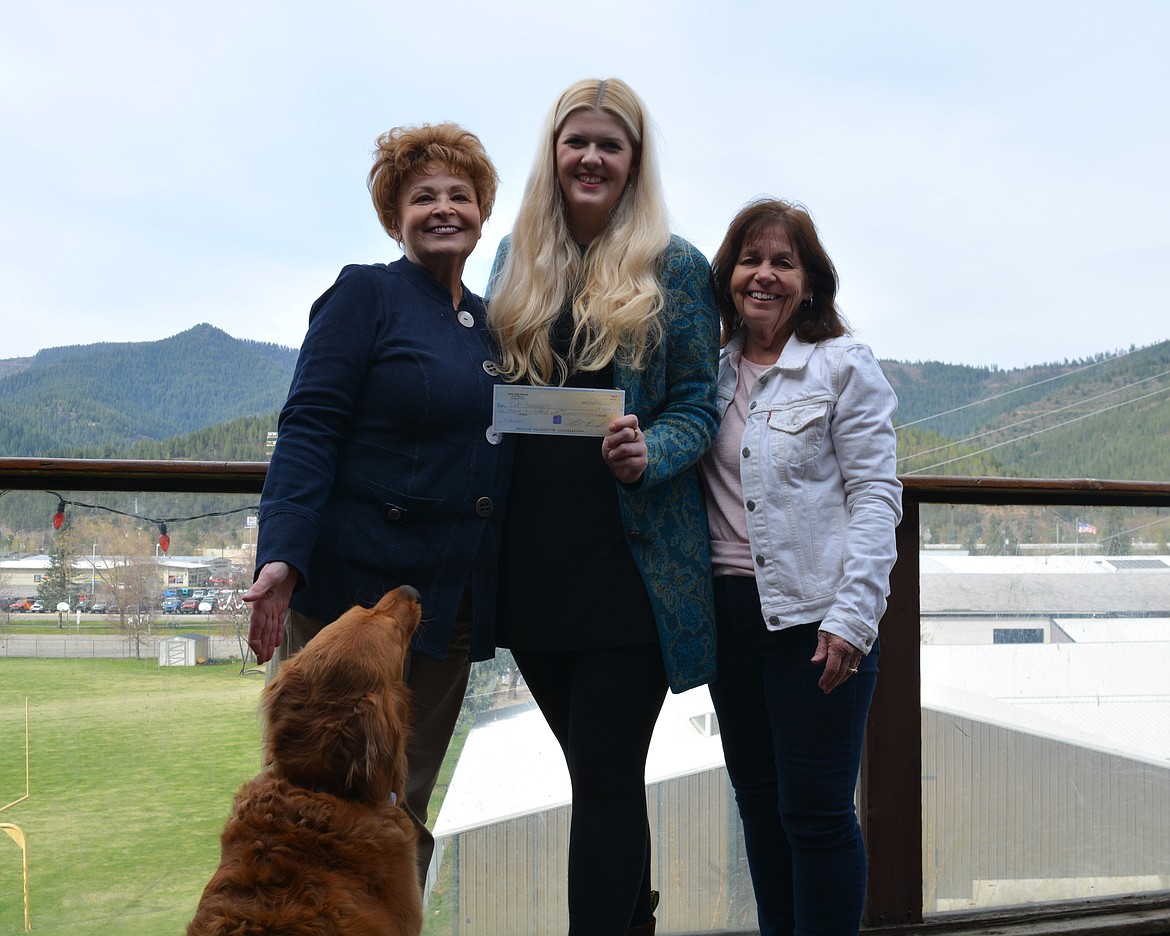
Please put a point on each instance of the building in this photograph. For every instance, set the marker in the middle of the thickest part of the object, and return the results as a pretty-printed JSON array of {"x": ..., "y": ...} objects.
[
  {"x": 183, "y": 649},
  {"x": 21, "y": 576}
]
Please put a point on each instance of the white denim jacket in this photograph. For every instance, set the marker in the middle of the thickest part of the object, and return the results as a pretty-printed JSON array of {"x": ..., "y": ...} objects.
[{"x": 820, "y": 488}]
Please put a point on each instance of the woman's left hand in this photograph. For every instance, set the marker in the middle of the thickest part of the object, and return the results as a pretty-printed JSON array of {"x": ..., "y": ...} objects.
[
  {"x": 840, "y": 657},
  {"x": 267, "y": 603},
  {"x": 624, "y": 449}
]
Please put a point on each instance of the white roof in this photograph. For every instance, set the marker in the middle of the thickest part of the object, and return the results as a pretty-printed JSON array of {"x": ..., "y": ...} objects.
[
  {"x": 1116, "y": 630},
  {"x": 85, "y": 562},
  {"x": 1111, "y": 697},
  {"x": 512, "y": 765},
  {"x": 26, "y": 562},
  {"x": 1076, "y": 585},
  {"x": 931, "y": 561}
]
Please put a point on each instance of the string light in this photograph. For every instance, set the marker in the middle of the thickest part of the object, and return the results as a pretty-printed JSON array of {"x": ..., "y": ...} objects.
[{"x": 164, "y": 539}]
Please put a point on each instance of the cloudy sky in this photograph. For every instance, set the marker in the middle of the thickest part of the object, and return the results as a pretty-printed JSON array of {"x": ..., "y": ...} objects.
[{"x": 991, "y": 178}]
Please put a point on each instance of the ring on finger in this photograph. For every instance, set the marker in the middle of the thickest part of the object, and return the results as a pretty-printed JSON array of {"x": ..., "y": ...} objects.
[
  {"x": 637, "y": 432},
  {"x": 853, "y": 669}
]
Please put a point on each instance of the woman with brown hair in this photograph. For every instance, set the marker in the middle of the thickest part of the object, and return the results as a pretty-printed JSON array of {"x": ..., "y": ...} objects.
[{"x": 802, "y": 501}]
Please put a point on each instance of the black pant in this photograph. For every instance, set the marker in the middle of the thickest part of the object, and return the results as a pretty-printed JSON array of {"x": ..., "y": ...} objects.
[{"x": 602, "y": 705}]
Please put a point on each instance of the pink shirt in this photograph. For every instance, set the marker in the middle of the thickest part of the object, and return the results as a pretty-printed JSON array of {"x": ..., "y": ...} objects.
[{"x": 731, "y": 553}]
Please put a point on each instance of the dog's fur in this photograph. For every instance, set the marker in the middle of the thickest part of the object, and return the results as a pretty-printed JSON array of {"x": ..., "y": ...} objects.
[{"x": 314, "y": 846}]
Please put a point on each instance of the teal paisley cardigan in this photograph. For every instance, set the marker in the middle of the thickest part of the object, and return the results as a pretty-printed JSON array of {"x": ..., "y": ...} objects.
[{"x": 665, "y": 519}]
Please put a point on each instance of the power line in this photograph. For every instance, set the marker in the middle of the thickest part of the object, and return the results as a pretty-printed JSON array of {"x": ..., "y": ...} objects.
[
  {"x": 1052, "y": 412},
  {"x": 1067, "y": 422},
  {"x": 1019, "y": 389}
]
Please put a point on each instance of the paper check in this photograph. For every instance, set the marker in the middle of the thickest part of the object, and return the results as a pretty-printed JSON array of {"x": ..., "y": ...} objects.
[{"x": 556, "y": 410}]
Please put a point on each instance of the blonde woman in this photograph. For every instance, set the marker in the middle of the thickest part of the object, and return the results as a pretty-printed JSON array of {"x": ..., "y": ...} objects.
[{"x": 606, "y": 593}]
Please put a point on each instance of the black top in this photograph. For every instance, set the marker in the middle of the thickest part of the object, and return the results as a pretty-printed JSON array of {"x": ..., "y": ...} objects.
[{"x": 568, "y": 580}]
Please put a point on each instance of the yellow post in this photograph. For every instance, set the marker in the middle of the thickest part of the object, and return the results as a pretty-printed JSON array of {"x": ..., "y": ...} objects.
[
  {"x": 15, "y": 833},
  {"x": 23, "y": 798}
]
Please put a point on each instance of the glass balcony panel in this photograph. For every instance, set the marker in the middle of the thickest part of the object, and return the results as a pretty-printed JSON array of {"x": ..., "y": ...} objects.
[
  {"x": 1045, "y": 704},
  {"x": 126, "y": 724},
  {"x": 1044, "y": 720},
  {"x": 503, "y": 823}
]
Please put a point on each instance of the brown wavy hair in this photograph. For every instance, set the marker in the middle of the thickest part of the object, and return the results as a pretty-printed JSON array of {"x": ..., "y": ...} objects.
[{"x": 816, "y": 319}]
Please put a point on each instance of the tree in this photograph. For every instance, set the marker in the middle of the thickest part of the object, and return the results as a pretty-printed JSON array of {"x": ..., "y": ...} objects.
[
  {"x": 57, "y": 584},
  {"x": 94, "y": 534},
  {"x": 971, "y": 539},
  {"x": 484, "y": 683},
  {"x": 136, "y": 595},
  {"x": 5, "y": 596},
  {"x": 233, "y": 617}
]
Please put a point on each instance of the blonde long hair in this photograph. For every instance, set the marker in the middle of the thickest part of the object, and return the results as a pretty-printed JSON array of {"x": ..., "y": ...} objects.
[{"x": 613, "y": 285}]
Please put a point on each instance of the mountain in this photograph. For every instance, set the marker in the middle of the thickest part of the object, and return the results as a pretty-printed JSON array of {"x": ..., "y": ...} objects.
[
  {"x": 98, "y": 400},
  {"x": 203, "y": 394}
]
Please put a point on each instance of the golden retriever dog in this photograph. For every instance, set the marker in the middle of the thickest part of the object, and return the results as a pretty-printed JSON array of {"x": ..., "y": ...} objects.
[{"x": 315, "y": 845}]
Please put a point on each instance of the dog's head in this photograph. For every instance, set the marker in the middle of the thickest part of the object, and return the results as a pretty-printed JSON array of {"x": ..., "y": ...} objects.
[{"x": 336, "y": 714}]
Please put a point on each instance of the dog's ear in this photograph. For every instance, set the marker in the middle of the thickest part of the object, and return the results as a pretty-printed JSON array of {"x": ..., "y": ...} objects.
[{"x": 376, "y": 741}]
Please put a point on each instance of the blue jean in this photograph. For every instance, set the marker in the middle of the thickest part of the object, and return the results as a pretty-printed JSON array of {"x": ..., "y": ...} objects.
[{"x": 793, "y": 755}]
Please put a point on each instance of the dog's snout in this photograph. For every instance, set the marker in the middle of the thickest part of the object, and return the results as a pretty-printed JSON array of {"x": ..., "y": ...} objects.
[{"x": 412, "y": 592}]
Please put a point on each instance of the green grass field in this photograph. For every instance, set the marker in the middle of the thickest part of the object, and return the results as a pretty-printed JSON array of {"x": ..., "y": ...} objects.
[{"x": 132, "y": 772}]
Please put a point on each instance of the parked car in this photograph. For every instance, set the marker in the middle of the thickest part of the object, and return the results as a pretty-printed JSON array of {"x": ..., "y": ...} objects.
[
  {"x": 206, "y": 605},
  {"x": 21, "y": 604},
  {"x": 85, "y": 605},
  {"x": 38, "y": 607},
  {"x": 172, "y": 605},
  {"x": 190, "y": 606},
  {"x": 99, "y": 607}
]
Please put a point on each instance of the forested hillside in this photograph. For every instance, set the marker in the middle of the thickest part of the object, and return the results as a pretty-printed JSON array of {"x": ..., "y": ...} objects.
[
  {"x": 1106, "y": 417},
  {"x": 98, "y": 400},
  {"x": 240, "y": 439}
]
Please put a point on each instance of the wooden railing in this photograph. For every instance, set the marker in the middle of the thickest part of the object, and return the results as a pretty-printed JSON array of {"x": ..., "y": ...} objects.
[{"x": 891, "y": 774}]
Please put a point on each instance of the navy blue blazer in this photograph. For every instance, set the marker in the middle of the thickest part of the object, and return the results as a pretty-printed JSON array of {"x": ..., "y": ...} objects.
[{"x": 386, "y": 471}]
